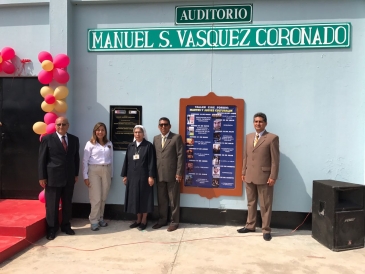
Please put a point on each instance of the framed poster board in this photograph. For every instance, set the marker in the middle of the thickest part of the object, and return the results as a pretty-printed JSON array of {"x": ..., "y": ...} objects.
[
  {"x": 122, "y": 121},
  {"x": 212, "y": 129}
]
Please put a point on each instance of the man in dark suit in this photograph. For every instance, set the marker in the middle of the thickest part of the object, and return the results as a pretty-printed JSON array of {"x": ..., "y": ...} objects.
[
  {"x": 260, "y": 170},
  {"x": 58, "y": 169},
  {"x": 170, "y": 154}
]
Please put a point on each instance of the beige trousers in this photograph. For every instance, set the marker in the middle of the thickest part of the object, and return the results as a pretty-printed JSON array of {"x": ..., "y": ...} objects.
[
  {"x": 264, "y": 194},
  {"x": 100, "y": 180}
]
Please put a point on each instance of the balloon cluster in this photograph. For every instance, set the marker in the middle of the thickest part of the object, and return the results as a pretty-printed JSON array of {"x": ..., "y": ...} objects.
[
  {"x": 53, "y": 69},
  {"x": 54, "y": 99},
  {"x": 46, "y": 127},
  {"x": 6, "y": 65}
]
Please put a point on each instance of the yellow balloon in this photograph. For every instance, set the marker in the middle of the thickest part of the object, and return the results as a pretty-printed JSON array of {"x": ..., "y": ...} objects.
[
  {"x": 40, "y": 128},
  {"x": 46, "y": 90},
  {"x": 47, "y": 65},
  {"x": 60, "y": 106},
  {"x": 47, "y": 107},
  {"x": 61, "y": 92}
]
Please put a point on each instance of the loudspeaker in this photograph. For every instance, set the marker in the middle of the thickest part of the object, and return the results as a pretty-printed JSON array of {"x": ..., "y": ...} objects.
[{"x": 338, "y": 214}]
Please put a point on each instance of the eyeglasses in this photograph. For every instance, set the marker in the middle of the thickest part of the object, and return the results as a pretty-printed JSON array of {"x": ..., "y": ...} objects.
[
  {"x": 61, "y": 124},
  {"x": 163, "y": 125}
]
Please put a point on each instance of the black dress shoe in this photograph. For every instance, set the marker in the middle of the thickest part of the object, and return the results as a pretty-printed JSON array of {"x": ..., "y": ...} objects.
[
  {"x": 51, "y": 235},
  {"x": 157, "y": 226},
  {"x": 135, "y": 224},
  {"x": 68, "y": 231},
  {"x": 267, "y": 237},
  {"x": 142, "y": 226},
  {"x": 245, "y": 230}
]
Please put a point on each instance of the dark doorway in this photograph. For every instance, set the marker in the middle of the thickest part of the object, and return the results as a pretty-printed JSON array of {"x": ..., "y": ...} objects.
[{"x": 20, "y": 108}]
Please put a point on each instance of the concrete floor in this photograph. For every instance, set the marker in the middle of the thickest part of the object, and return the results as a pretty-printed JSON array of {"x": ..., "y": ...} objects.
[{"x": 190, "y": 249}]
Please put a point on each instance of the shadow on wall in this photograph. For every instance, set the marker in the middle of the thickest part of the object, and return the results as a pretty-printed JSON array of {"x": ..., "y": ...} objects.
[{"x": 290, "y": 193}]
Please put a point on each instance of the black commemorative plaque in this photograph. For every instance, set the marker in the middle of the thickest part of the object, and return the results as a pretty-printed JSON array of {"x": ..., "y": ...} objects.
[{"x": 122, "y": 121}]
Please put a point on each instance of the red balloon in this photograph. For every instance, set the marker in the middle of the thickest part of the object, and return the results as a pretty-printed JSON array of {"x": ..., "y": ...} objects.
[
  {"x": 50, "y": 128},
  {"x": 44, "y": 55},
  {"x": 61, "y": 76},
  {"x": 1, "y": 67},
  {"x": 61, "y": 61},
  {"x": 50, "y": 117},
  {"x": 40, "y": 137},
  {"x": 42, "y": 197},
  {"x": 7, "y": 53},
  {"x": 50, "y": 99},
  {"x": 8, "y": 67},
  {"x": 45, "y": 77}
]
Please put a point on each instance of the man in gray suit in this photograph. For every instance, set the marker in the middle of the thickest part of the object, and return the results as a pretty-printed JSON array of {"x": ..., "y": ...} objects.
[
  {"x": 260, "y": 170},
  {"x": 170, "y": 167}
]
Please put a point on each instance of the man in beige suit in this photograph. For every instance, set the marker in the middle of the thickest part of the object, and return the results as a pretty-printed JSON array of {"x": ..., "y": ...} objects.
[
  {"x": 260, "y": 171},
  {"x": 170, "y": 155}
]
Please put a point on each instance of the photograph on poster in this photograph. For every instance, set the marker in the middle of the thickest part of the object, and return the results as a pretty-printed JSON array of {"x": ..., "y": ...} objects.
[
  {"x": 216, "y": 160},
  {"x": 217, "y": 124},
  {"x": 215, "y": 182},
  {"x": 190, "y": 119},
  {"x": 217, "y": 115},
  {"x": 189, "y": 180},
  {"x": 217, "y": 137},
  {"x": 216, "y": 148},
  {"x": 190, "y": 141},
  {"x": 189, "y": 167},
  {"x": 191, "y": 131},
  {"x": 190, "y": 154},
  {"x": 216, "y": 172}
]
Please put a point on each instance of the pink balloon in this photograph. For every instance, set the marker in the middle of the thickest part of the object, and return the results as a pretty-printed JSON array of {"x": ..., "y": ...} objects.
[
  {"x": 51, "y": 128},
  {"x": 8, "y": 67},
  {"x": 1, "y": 67},
  {"x": 44, "y": 55},
  {"x": 7, "y": 53},
  {"x": 40, "y": 137},
  {"x": 61, "y": 76},
  {"x": 50, "y": 117},
  {"x": 42, "y": 197},
  {"x": 45, "y": 77},
  {"x": 61, "y": 61},
  {"x": 50, "y": 99}
]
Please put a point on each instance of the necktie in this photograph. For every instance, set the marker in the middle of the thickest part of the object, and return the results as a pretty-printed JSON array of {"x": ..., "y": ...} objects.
[
  {"x": 256, "y": 140},
  {"x": 64, "y": 142},
  {"x": 163, "y": 141}
]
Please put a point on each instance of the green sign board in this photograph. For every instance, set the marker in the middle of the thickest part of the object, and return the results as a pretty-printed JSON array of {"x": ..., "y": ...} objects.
[
  {"x": 336, "y": 35},
  {"x": 213, "y": 14}
]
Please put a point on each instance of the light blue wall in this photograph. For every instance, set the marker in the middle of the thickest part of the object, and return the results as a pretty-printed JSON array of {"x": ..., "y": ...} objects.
[
  {"x": 25, "y": 28},
  {"x": 314, "y": 98}
]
